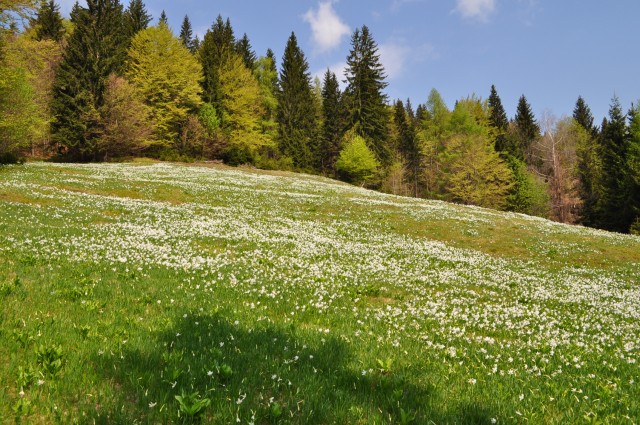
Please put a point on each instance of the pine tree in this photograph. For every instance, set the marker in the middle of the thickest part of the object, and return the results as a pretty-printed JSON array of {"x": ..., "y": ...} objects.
[
  {"x": 96, "y": 49},
  {"x": 48, "y": 22},
  {"x": 614, "y": 211},
  {"x": 332, "y": 123},
  {"x": 136, "y": 18},
  {"x": 217, "y": 46},
  {"x": 243, "y": 47},
  {"x": 367, "y": 108},
  {"x": 186, "y": 34},
  {"x": 527, "y": 130},
  {"x": 163, "y": 18},
  {"x": 296, "y": 113}
]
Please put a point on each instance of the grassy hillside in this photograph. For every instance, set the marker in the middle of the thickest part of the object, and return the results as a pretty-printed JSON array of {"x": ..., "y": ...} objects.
[{"x": 155, "y": 293}]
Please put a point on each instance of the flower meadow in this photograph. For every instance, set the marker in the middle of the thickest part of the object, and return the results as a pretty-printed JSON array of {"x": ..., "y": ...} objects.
[{"x": 161, "y": 293}]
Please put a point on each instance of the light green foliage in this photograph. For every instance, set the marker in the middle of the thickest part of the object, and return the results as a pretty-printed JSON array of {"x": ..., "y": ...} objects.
[
  {"x": 459, "y": 160},
  {"x": 126, "y": 125},
  {"x": 529, "y": 194},
  {"x": 167, "y": 77},
  {"x": 356, "y": 161},
  {"x": 242, "y": 110},
  {"x": 267, "y": 75},
  {"x": 19, "y": 120}
]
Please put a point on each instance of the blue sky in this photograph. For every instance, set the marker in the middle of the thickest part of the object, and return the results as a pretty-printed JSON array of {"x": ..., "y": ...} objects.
[{"x": 549, "y": 50}]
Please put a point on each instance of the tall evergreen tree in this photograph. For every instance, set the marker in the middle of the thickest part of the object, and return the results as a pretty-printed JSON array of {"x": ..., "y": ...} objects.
[
  {"x": 588, "y": 163},
  {"x": 96, "y": 49},
  {"x": 136, "y": 18},
  {"x": 527, "y": 130},
  {"x": 582, "y": 115},
  {"x": 217, "y": 46},
  {"x": 498, "y": 119},
  {"x": 332, "y": 122},
  {"x": 186, "y": 34},
  {"x": 243, "y": 47},
  {"x": 48, "y": 22},
  {"x": 296, "y": 113},
  {"x": 633, "y": 162},
  {"x": 615, "y": 212},
  {"x": 407, "y": 142},
  {"x": 366, "y": 100},
  {"x": 163, "y": 18}
]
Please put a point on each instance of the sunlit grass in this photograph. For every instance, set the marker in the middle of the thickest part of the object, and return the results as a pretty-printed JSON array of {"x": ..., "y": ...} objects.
[{"x": 156, "y": 293}]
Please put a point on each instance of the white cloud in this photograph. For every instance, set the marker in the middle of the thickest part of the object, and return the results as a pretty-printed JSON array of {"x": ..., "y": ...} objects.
[
  {"x": 476, "y": 9},
  {"x": 394, "y": 57},
  {"x": 327, "y": 27}
]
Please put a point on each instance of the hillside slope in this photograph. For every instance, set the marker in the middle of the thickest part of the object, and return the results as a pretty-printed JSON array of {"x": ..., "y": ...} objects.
[{"x": 282, "y": 298}]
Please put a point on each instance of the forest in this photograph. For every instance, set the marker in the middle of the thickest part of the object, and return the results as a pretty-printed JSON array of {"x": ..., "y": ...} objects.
[{"x": 110, "y": 83}]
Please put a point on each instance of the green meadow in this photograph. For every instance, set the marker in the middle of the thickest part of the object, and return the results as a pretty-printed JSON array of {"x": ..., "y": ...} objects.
[{"x": 157, "y": 293}]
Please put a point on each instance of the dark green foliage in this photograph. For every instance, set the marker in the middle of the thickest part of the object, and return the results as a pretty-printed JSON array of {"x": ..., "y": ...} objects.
[
  {"x": 528, "y": 195},
  {"x": 527, "y": 130},
  {"x": 186, "y": 35},
  {"x": 48, "y": 22},
  {"x": 296, "y": 115},
  {"x": 243, "y": 47},
  {"x": 407, "y": 142},
  {"x": 366, "y": 102},
  {"x": 272, "y": 57},
  {"x": 614, "y": 211},
  {"x": 136, "y": 18},
  {"x": 96, "y": 49},
  {"x": 582, "y": 115},
  {"x": 498, "y": 119},
  {"x": 633, "y": 164},
  {"x": 163, "y": 19},
  {"x": 218, "y": 44},
  {"x": 588, "y": 164},
  {"x": 332, "y": 122}
]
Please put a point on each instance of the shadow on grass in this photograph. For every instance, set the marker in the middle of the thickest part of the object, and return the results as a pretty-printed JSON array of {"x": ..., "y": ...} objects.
[{"x": 261, "y": 375}]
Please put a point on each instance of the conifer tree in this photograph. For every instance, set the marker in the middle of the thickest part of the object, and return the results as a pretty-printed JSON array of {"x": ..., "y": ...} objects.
[
  {"x": 96, "y": 49},
  {"x": 163, "y": 18},
  {"x": 243, "y": 47},
  {"x": 217, "y": 46},
  {"x": 633, "y": 165},
  {"x": 48, "y": 22},
  {"x": 498, "y": 119},
  {"x": 582, "y": 115},
  {"x": 527, "y": 130},
  {"x": 407, "y": 142},
  {"x": 332, "y": 123},
  {"x": 136, "y": 18},
  {"x": 614, "y": 211},
  {"x": 186, "y": 34},
  {"x": 296, "y": 113},
  {"x": 366, "y": 101},
  {"x": 588, "y": 164}
]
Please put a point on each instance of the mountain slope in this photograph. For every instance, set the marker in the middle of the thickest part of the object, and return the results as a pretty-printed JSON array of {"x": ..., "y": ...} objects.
[{"x": 292, "y": 298}]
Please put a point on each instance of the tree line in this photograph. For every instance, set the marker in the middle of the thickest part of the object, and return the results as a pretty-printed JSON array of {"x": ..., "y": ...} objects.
[{"x": 106, "y": 84}]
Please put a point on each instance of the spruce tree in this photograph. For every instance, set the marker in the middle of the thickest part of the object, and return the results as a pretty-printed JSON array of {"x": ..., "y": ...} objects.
[
  {"x": 588, "y": 166},
  {"x": 136, "y": 18},
  {"x": 217, "y": 46},
  {"x": 332, "y": 123},
  {"x": 48, "y": 22},
  {"x": 614, "y": 211},
  {"x": 243, "y": 47},
  {"x": 163, "y": 18},
  {"x": 364, "y": 93},
  {"x": 633, "y": 165},
  {"x": 527, "y": 130},
  {"x": 498, "y": 119},
  {"x": 96, "y": 49},
  {"x": 296, "y": 113},
  {"x": 407, "y": 142},
  {"x": 186, "y": 34},
  {"x": 582, "y": 115}
]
